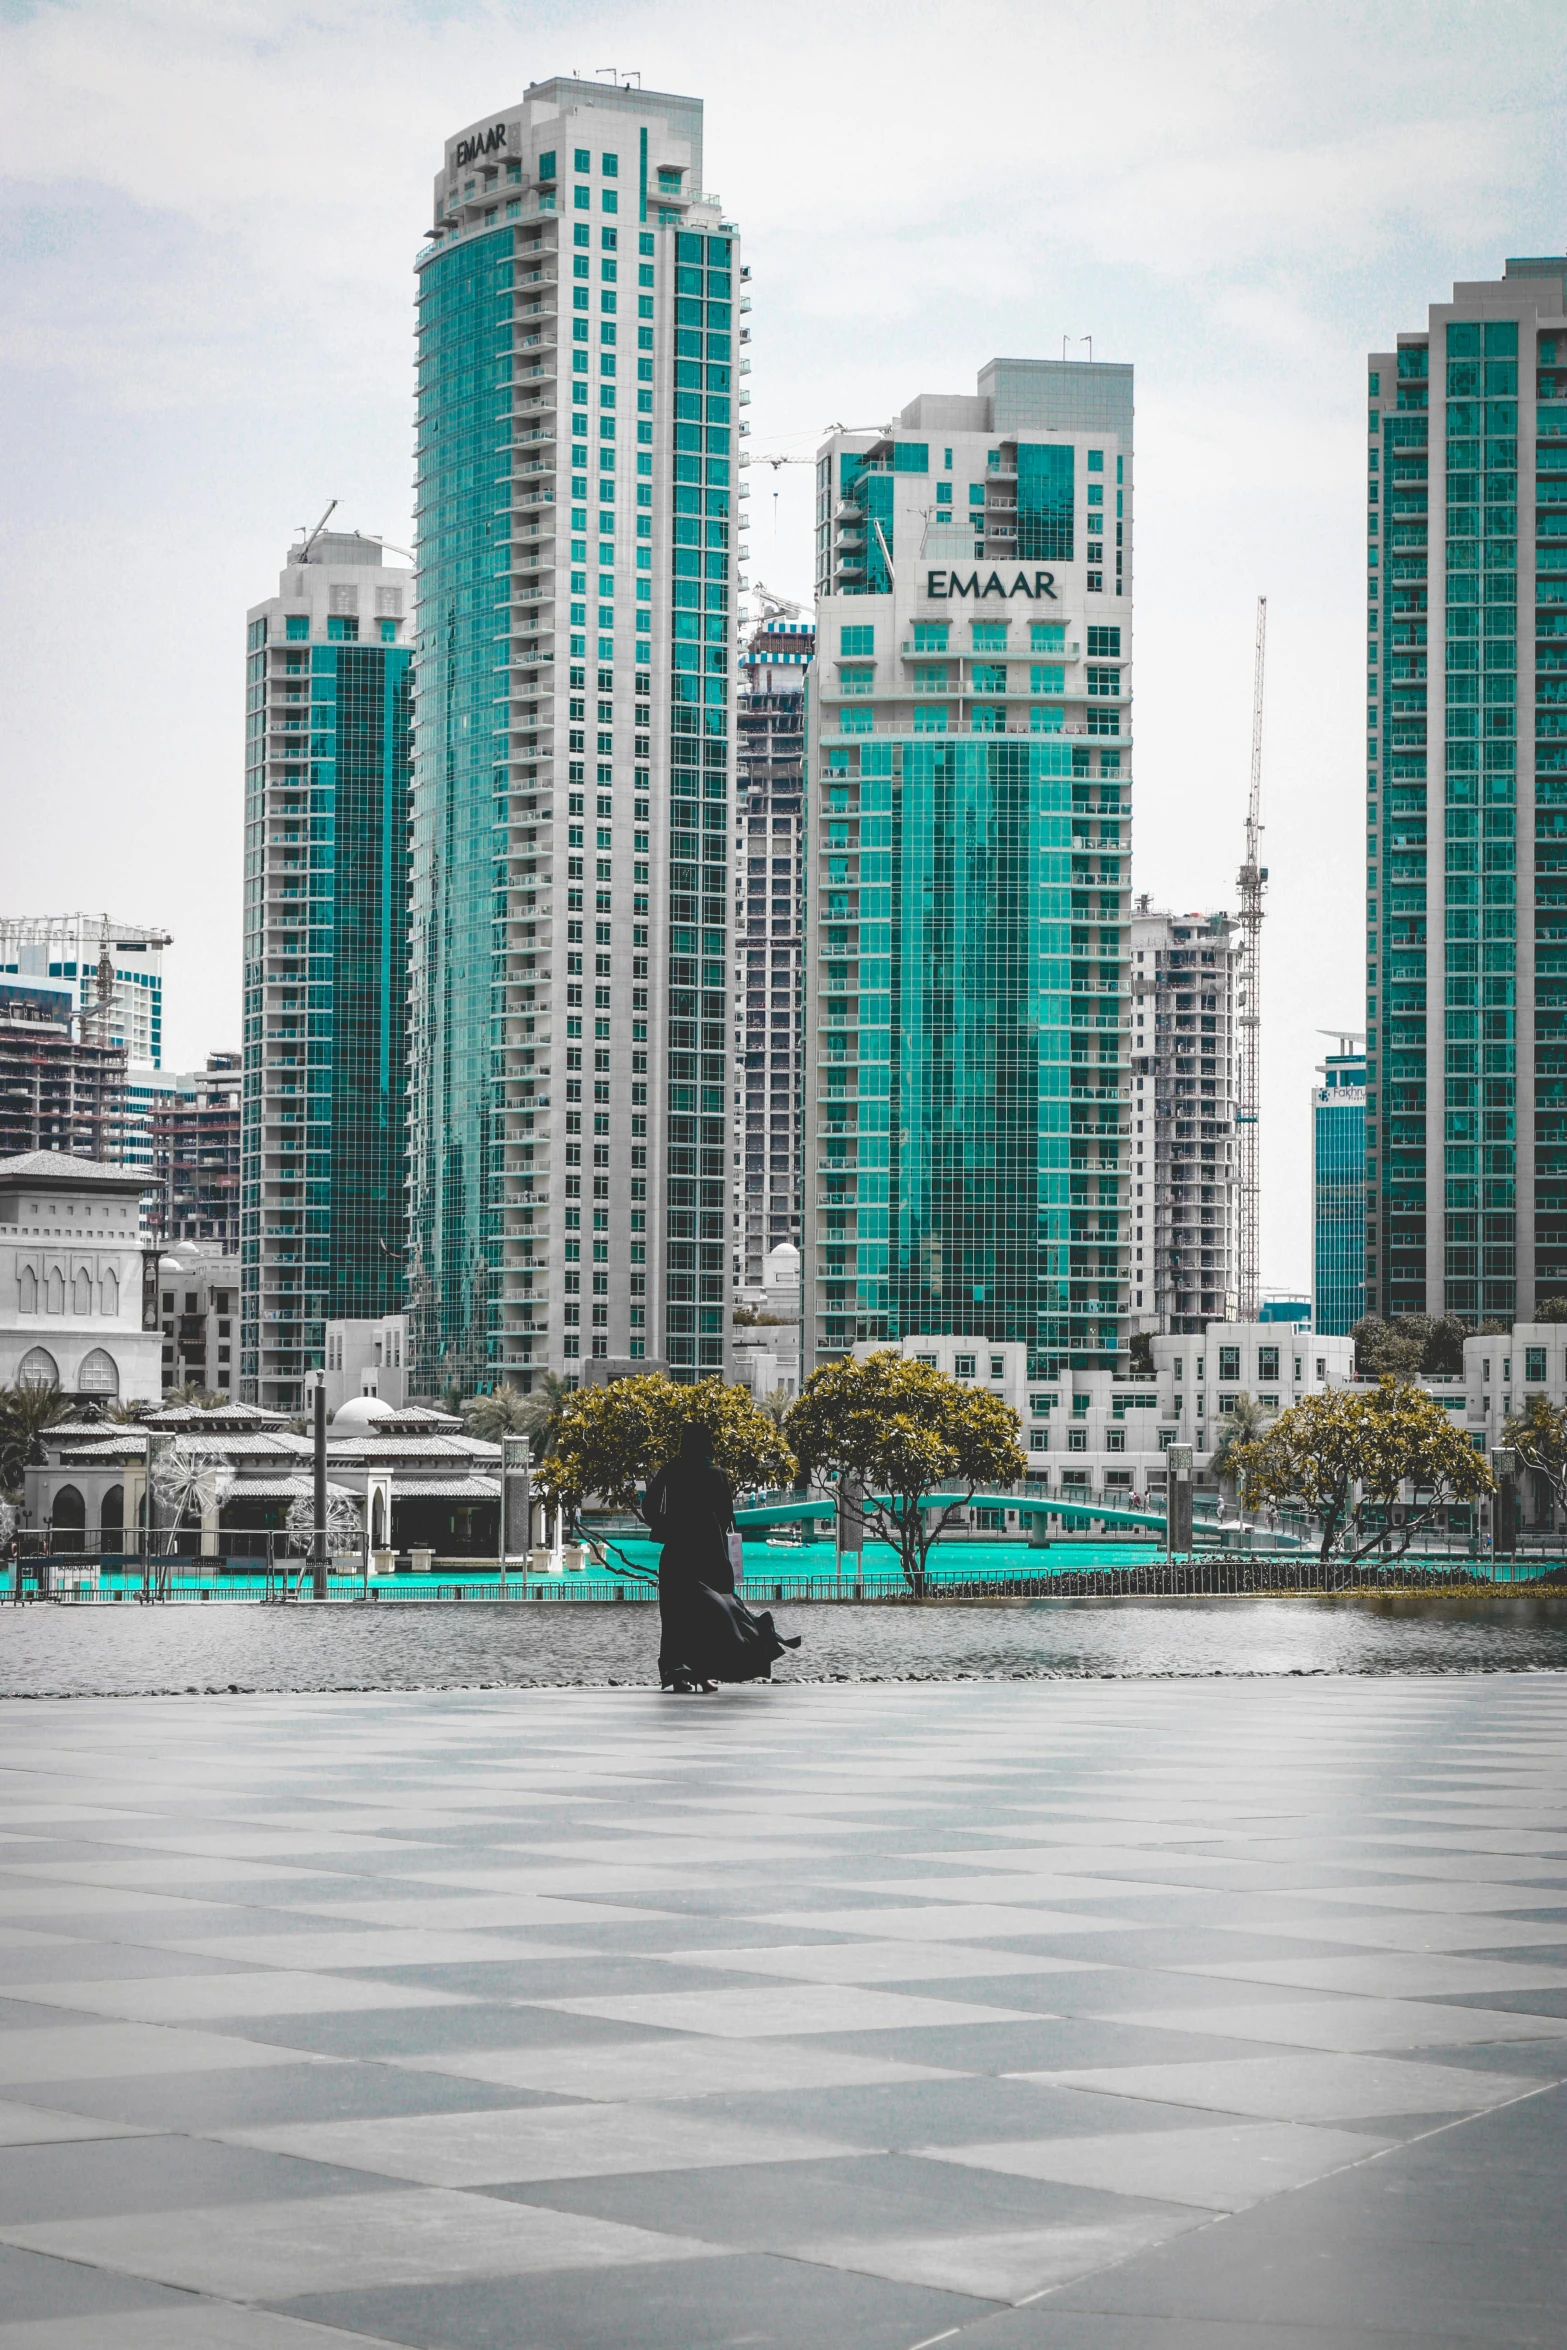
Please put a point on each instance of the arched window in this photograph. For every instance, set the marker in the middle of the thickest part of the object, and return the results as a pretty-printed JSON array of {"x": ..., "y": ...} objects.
[
  {"x": 38, "y": 1368},
  {"x": 378, "y": 1520},
  {"x": 99, "y": 1374},
  {"x": 81, "y": 1293},
  {"x": 68, "y": 1515},
  {"x": 56, "y": 1290},
  {"x": 111, "y": 1519},
  {"x": 111, "y": 1294},
  {"x": 27, "y": 1284}
]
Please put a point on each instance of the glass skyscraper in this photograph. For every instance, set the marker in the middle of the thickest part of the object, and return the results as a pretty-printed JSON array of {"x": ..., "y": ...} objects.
[
  {"x": 1338, "y": 1192},
  {"x": 967, "y": 1112},
  {"x": 581, "y": 364},
  {"x": 1466, "y": 776},
  {"x": 323, "y": 1138}
]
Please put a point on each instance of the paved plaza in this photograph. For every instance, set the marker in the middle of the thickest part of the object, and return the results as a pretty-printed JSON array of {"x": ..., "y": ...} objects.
[{"x": 1026, "y": 2016}]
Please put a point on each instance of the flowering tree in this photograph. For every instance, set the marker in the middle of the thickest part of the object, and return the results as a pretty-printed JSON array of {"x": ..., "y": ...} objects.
[
  {"x": 1339, "y": 1452},
  {"x": 903, "y": 1431},
  {"x": 610, "y": 1440}
]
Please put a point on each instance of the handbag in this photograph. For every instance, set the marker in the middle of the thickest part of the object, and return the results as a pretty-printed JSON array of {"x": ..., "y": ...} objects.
[{"x": 736, "y": 1545}]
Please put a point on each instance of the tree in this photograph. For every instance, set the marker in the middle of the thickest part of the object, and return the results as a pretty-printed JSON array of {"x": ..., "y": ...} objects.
[
  {"x": 1551, "y": 1309},
  {"x": 904, "y": 1431},
  {"x": 25, "y": 1412},
  {"x": 1242, "y": 1424},
  {"x": 506, "y": 1412},
  {"x": 610, "y": 1440},
  {"x": 1140, "y": 1349},
  {"x": 1538, "y": 1434},
  {"x": 1327, "y": 1449},
  {"x": 1410, "y": 1343}
]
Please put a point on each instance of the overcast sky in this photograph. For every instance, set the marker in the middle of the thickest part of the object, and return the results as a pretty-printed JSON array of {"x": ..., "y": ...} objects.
[{"x": 210, "y": 212}]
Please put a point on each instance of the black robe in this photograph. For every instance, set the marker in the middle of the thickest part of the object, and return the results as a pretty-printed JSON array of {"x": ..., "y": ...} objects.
[{"x": 707, "y": 1633}]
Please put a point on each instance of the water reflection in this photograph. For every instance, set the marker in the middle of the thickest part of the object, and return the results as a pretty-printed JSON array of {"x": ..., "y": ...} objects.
[{"x": 62, "y": 1651}]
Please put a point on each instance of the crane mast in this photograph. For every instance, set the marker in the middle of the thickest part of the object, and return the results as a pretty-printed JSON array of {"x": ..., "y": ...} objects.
[{"x": 1251, "y": 882}]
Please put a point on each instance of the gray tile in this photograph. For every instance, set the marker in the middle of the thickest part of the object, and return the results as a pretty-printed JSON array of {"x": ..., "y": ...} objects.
[
  {"x": 187, "y": 2325},
  {"x": 32, "y": 2285},
  {"x": 88, "y": 2180},
  {"x": 714, "y": 2304},
  {"x": 312, "y": 2089}
]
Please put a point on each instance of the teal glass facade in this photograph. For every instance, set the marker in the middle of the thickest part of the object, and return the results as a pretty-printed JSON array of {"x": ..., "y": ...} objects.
[
  {"x": 1466, "y": 971},
  {"x": 967, "y": 1098},
  {"x": 1338, "y": 1196},
  {"x": 970, "y": 1084},
  {"x": 323, "y": 1123},
  {"x": 457, "y": 945}
]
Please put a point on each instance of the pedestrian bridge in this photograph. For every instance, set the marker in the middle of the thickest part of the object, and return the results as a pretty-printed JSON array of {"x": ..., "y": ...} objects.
[{"x": 1030, "y": 1508}]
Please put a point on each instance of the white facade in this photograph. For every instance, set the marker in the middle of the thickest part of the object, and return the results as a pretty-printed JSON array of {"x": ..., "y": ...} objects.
[
  {"x": 69, "y": 948},
  {"x": 198, "y": 1315},
  {"x": 72, "y": 1310},
  {"x": 1089, "y": 1435},
  {"x": 1185, "y": 1196},
  {"x": 367, "y": 1358},
  {"x": 767, "y": 1351}
]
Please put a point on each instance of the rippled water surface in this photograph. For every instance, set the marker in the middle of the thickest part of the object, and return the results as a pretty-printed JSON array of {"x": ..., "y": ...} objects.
[{"x": 96, "y": 1651}]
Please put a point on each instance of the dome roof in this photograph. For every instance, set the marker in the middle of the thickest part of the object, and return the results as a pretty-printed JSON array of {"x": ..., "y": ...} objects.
[{"x": 361, "y": 1411}]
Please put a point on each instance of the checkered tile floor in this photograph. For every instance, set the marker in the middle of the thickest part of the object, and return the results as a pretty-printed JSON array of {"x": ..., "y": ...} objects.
[{"x": 1123, "y": 2016}]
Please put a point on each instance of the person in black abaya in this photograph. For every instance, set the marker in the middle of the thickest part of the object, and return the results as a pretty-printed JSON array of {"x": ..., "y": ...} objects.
[{"x": 708, "y": 1634}]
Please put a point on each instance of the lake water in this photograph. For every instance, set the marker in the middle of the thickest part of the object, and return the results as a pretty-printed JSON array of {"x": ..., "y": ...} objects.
[{"x": 116, "y": 1651}]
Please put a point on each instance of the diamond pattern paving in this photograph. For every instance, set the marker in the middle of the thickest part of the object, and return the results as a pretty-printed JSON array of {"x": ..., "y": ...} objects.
[{"x": 1024, "y": 2016}]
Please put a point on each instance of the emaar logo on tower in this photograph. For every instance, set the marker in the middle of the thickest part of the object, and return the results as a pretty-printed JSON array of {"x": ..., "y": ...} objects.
[
  {"x": 482, "y": 143},
  {"x": 945, "y": 584}
]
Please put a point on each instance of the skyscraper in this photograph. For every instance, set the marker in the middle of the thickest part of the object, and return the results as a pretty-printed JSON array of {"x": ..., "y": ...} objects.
[
  {"x": 966, "y": 1106},
  {"x": 769, "y": 910},
  {"x": 71, "y": 948},
  {"x": 323, "y": 1136},
  {"x": 1466, "y": 779},
  {"x": 1338, "y": 1192},
  {"x": 1185, "y": 1210},
  {"x": 577, "y": 528}
]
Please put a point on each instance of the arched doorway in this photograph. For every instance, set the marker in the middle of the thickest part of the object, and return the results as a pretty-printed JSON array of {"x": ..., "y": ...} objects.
[
  {"x": 68, "y": 1519},
  {"x": 378, "y": 1520}
]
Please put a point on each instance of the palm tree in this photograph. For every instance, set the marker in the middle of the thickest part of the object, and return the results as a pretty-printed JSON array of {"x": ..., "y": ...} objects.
[
  {"x": 1241, "y": 1424},
  {"x": 25, "y": 1412},
  {"x": 503, "y": 1412}
]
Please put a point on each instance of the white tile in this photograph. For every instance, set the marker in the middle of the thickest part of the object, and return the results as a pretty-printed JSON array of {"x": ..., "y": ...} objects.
[
  {"x": 201, "y": 1999},
  {"x": 759, "y": 2014},
  {"x": 1411, "y": 1974},
  {"x": 1217, "y": 2168},
  {"x": 538, "y": 2142},
  {"x": 945, "y": 1921},
  {"x": 362, "y": 1952},
  {"x": 1012, "y": 2265},
  {"x": 675, "y": 2068},
  {"x": 1314, "y": 2088},
  {"x": 1362, "y": 2024},
  {"x": 86, "y": 2052},
  {"x": 44, "y": 2125},
  {"x": 872, "y": 1962},
  {"x": 346, "y": 2243},
  {"x": 202, "y": 2325}
]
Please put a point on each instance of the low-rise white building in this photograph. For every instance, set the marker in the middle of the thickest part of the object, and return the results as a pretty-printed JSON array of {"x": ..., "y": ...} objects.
[
  {"x": 766, "y": 1350},
  {"x": 367, "y": 1358},
  {"x": 1092, "y": 1436},
  {"x": 198, "y": 1314},
  {"x": 78, "y": 1294}
]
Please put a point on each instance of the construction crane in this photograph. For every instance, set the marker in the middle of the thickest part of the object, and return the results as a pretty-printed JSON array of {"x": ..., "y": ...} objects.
[
  {"x": 301, "y": 553},
  {"x": 1251, "y": 882},
  {"x": 776, "y": 607}
]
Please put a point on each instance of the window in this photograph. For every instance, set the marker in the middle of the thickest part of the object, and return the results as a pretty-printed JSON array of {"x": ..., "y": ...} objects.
[
  {"x": 990, "y": 677},
  {"x": 1042, "y": 1403},
  {"x": 1230, "y": 1362},
  {"x": 1104, "y": 681},
  {"x": 1104, "y": 644},
  {"x": 1077, "y": 1440},
  {"x": 1096, "y": 460},
  {"x": 1115, "y": 1440},
  {"x": 998, "y": 1367},
  {"x": 296, "y": 627},
  {"x": 856, "y": 640},
  {"x": 1045, "y": 680},
  {"x": 343, "y": 629},
  {"x": 547, "y": 165},
  {"x": 1322, "y": 1366},
  {"x": 38, "y": 1368},
  {"x": 990, "y": 636},
  {"x": 930, "y": 636},
  {"x": 1039, "y": 1440},
  {"x": 1047, "y": 636},
  {"x": 856, "y": 681},
  {"x": 1267, "y": 1362},
  {"x": 581, "y": 159},
  {"x": 1534, "y": 1362},
  {"x": 963, "y": 1366},
  {"x": 610, "y": 165}
]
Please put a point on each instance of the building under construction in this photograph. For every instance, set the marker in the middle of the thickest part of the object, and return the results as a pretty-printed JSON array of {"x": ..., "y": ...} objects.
[
  {"x": 1185, "y": 1161},
  {"x": 62, "y": 1081}
]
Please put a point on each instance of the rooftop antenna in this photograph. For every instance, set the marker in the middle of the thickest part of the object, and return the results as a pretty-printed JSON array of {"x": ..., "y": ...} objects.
[
  {"x": 1251, "y": 882},
  {"x": 304, "y": 553},
  {"x": 1089, "y": 340}
]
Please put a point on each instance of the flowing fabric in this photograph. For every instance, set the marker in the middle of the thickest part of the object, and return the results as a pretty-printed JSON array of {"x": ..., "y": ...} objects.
[{"x": 708, "y": 1634}]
